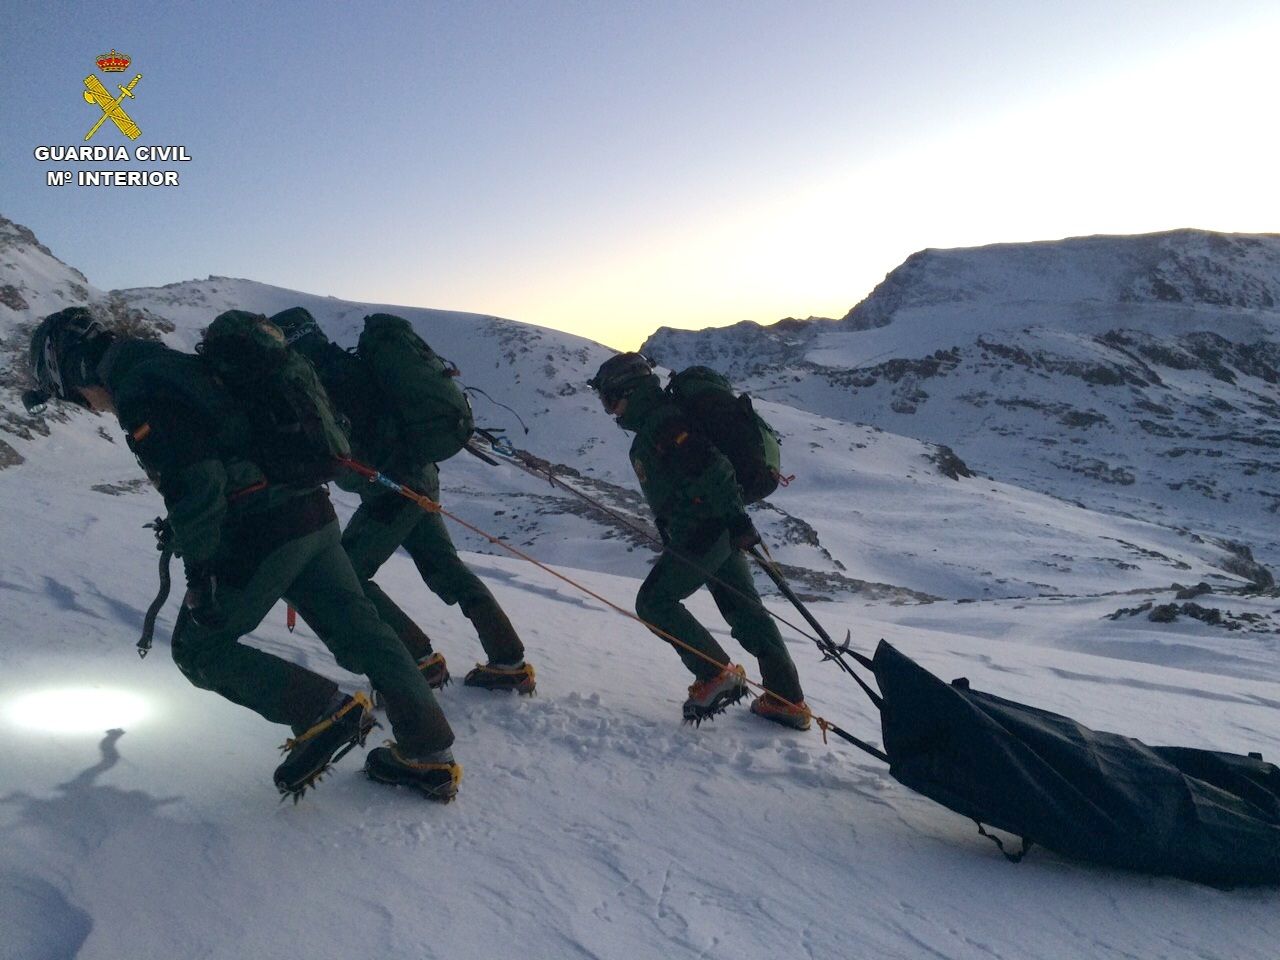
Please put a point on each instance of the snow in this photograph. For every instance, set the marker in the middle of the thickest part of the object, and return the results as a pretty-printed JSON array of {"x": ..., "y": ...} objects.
[{"x": 590, "y": 822}]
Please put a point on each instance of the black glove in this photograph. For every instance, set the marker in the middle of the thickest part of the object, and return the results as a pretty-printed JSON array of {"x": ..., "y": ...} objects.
[
  {"x": 742, "y": 532},
  {"x": 163, "y": 532},
  {"x": 202, "y": 597}
]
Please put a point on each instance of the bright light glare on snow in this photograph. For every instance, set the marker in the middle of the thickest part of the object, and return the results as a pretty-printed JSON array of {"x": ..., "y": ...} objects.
[{"x": 76, "y": 710}]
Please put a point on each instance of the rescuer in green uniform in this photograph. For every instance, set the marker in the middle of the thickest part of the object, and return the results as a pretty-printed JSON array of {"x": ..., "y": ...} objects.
[
  {"x": 246, "y": 542},
  {"x": 404, "y": 412},
  {"x": 690, "y": 487}
]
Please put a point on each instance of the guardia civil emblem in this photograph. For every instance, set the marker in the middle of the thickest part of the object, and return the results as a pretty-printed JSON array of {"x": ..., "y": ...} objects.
[{"x": 95, "y": 92}]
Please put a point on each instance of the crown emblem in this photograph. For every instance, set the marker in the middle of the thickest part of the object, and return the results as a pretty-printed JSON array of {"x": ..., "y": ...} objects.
[{"x": 114, "y": 62}]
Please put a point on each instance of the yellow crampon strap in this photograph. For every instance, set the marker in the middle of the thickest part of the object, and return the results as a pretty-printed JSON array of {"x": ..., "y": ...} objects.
[
  {"x": 455, "y": 768},
  {"x": 358, "y": 699}
]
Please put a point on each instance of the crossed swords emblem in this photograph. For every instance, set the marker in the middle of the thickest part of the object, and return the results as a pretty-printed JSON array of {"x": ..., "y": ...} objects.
[{"x": 95, "y": 92}]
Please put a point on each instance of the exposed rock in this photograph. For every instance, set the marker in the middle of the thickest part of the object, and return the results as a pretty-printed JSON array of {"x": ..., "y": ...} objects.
[
  {"x": 1242, "y": 564},
  {"x": 12, "y": 298},
  {"x": 9, "y": 457},
  {"x": 949, "y": 465},
  {"x": 1190, "y": 593}
]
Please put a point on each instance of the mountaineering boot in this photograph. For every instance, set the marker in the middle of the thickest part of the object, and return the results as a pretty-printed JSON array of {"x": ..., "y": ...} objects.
[
  {"x": 343, "y": 725},
  {"x": 709, "y": 697},
  {"x": 794, "y": 715},
  {"x": 498, "y": 637},
  {"x": 435, "y": 775},
  {"x": 434, "y": 670},
  {"x": 502, "y": 676}
]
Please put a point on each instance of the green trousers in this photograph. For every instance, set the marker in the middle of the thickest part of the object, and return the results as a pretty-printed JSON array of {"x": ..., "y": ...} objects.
[
  {"x": 672, "y": 580},
  {"x": 311, "y": 572},
  {"x": 386, "y": 522}
]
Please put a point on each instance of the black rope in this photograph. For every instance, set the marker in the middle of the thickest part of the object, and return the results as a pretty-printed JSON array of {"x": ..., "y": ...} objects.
[
  {"x": 496, "y": 404},
  {"x": 153, "y": 611}
]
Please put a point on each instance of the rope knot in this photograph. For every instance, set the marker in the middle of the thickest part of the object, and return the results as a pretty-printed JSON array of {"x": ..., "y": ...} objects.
[{"x": 823, "y": 725}]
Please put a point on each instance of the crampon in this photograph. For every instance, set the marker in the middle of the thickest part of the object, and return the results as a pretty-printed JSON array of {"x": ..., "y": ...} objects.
[
  {"x": 435, "y": 777},
  {"x": 313, "y": 752},
  {"x": 707, "y": 698}
]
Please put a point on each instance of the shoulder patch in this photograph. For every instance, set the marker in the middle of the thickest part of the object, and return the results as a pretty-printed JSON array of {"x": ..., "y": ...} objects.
[
  {"x": 140, "y": 434},
  {"x": 639, "y": 468}
]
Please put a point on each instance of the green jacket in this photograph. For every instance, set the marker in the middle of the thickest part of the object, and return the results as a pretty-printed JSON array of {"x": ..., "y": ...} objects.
[
  {"x": 689, "y": 484},
  {"x": 190, "y": 438}
]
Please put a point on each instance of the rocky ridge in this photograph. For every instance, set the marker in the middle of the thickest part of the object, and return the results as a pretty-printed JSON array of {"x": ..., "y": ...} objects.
[{"x": 1138, "y": 375}]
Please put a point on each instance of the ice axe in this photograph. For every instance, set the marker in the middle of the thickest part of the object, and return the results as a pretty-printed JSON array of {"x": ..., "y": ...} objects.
[{"x": 164, "y": 543}]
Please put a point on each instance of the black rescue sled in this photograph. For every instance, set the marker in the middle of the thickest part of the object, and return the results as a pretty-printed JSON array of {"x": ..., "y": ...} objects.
[{"x": 1201, "y": 815}]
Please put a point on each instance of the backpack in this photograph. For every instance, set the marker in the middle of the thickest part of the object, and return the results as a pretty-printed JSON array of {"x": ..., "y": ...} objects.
[
  {"x": 731, "y": 424},
  {"x": 295, "y": 435},
  {"x": 432, "y": 412}
]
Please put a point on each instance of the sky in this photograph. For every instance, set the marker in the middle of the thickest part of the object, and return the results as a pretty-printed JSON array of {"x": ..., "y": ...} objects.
[{"x": 607, "y": 168}]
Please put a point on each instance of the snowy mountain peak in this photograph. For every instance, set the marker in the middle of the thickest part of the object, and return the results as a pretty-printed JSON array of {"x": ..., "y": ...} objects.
[
  {"x": 1179, "y": 266},
  {"x": 33, "y": 281},
  {"x": 1188, "y": 268},
  {"x": 1134, "y": 374}
]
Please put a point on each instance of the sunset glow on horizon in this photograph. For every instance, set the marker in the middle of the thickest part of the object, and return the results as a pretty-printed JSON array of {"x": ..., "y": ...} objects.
[{"x": 608, "y": 171}]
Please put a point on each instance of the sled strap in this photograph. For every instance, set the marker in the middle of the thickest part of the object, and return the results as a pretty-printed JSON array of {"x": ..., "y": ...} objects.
[
  {"x": 1011, "y": 857},
  {"x": 827, "y": 726}
]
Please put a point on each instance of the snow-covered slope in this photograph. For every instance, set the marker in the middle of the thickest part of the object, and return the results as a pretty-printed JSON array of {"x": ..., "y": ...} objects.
[
  {"x": 859, "y": 497},
  {"x": 590, "y": 822},
  {"x": 137, "y": 817},
  {"x": 1136, "y": 375}
]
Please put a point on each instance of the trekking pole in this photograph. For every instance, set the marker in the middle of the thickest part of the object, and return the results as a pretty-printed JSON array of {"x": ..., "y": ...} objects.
[
  {"x": 531, "y": 465},
  {"x": 830, "y": 649}
]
